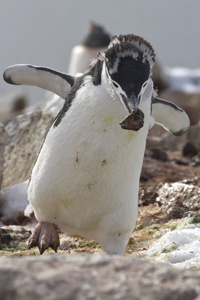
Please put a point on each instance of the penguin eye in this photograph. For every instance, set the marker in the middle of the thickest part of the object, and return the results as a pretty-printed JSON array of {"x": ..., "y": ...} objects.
[
  {"x": 115, "y": 84},
  {"x": 144, "y": 84}
]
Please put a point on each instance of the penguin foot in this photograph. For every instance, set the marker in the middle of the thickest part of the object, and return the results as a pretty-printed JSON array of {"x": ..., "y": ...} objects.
[{"x": 45, "y": 235}]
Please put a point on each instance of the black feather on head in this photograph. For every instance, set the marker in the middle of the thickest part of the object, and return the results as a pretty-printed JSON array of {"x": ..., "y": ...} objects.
[{"x": 131, "y": 46}]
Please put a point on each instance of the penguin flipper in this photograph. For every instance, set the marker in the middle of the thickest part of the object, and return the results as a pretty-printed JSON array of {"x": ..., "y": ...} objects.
[
  {"x": 170, "y": 116},
  {"x": 45, "y": 78}
]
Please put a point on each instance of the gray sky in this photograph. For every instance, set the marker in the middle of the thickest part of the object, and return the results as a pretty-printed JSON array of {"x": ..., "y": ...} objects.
[{"x": 43, "y": 32}]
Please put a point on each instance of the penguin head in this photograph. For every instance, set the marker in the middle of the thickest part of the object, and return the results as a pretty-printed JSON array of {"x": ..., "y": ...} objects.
[
  {"x": 96, "y": 37},
  {"x": 128, "y": 64}
]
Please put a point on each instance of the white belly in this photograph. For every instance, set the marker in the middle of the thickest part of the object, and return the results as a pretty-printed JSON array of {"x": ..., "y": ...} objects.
[{"x": 86, "y": 178}]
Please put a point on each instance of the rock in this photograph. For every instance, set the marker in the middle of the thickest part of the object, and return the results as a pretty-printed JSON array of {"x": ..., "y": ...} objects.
[
  {"x": 179, "y": 197},
  {"x": 94, "y": 277},
  {"x": 193, "y": 135},
  {"x": 159, "y": 77},
  {"x": 134, "y": 121},
  {"x": 11, "y": 105},
  {"x": 11, "y": 236},
  {"x": 173, "y": 143},
  {"x": 188, "y": 101},
  {"x": 26, "y": 134},
  {"x": 51, "y": 103},
  {"x": 167, "y": 141},
  {"x": 170, "y": 142},
  {"x": 3, "y": 140},
  {"x": 189, "y": 149},
  {"x": 157, "y": 153},
  {"x": 176, "y": 169},
  {"x": 13, "y": 201},
  {"x": 175, "y": 200}
]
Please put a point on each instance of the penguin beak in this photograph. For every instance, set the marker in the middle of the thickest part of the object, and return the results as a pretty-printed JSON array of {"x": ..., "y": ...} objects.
[{"x": 131, "y": 103}]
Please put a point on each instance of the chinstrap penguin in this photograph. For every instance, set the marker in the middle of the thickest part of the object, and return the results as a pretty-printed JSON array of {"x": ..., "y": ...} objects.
[
  {"x": 96, "y": 40},
  {"x": 86, "y": 178}
]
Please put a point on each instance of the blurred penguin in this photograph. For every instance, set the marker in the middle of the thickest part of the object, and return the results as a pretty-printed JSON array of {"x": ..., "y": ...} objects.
[{"x": 96, "y": 40}]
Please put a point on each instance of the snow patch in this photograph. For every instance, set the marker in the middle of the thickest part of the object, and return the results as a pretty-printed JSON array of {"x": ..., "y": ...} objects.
[
  {"x": 179, "y": 248},
  {"x": 13, "y": 200},
  {"x": 183, "y": 79}
]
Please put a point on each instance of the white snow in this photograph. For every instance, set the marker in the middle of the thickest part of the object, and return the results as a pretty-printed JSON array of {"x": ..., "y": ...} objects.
[
  {"x": 13, "y": 201},
  {"x": 183, "y": 79},
  {"x": 180, "y": 248}
]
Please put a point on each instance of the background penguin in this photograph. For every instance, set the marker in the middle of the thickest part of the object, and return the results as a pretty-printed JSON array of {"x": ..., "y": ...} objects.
[
  {"x": 96, "y": 40},
  {"x": 86, "y": 178}
]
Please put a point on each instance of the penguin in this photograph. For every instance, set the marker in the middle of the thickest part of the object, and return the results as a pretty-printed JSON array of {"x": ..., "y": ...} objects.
[
  {"x": 86, "y": 178},
  {"x": 95, "y": 40}
]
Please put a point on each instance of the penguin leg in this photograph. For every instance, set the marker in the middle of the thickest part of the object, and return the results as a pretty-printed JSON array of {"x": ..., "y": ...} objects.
[{"x": 45, "y": 235}]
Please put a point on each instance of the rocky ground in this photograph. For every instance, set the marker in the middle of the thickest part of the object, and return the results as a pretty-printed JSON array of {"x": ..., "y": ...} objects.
[
  {"x": 94, "y": 277},
  {"x": 167, "y": 229}
]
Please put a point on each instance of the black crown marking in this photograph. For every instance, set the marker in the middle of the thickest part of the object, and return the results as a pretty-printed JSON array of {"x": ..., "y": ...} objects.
[{"x": 128, "y": 45}]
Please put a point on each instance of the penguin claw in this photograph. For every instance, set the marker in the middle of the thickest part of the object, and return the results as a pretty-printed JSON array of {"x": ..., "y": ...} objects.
[
  {"x": 45, "y": 235},
  {"x": 42, "y": 248},
  {"x": 33, "y": 240}
]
